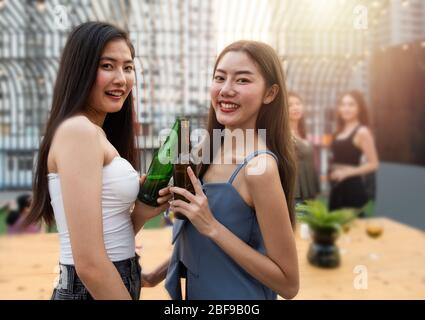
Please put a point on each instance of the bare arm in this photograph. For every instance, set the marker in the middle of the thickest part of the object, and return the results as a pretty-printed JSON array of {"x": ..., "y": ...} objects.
[
  {"x": 278, "y": 269},
  {"x": 142, "y": 212},
  {"x": 139, "y": 216},
  {"x": 151, "y": 279},
  {"x": 79, "y": 160},
  {"x": 366, "y": 143}
]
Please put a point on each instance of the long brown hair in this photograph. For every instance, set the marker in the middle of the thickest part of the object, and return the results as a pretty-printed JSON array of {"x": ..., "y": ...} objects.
[
  {"x": 301, "y": 123},
  {"x": 274, "y": 118},
  {"x": 362, "y": 110},
  {"x": 76, "y": 77}
]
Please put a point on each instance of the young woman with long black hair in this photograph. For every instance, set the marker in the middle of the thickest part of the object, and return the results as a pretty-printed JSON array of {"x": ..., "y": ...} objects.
[
  {"x": 85, "y": 177},
  {"x": 238, "y": 241}
]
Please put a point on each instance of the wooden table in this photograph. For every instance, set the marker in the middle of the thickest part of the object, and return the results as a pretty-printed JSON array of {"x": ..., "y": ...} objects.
[
  {"x": 391, "y": 266},
  {"x": 394, "y": 265}
]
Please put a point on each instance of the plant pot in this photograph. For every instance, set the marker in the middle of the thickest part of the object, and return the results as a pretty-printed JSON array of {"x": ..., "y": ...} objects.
[{"x": 322, "y": 251}]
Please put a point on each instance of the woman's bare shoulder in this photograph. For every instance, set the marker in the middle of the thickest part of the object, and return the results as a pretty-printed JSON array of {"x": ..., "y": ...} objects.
[
  {"x": 77, "y": 133},
  {"x": 77, "y": 129},
  {"x": 77, "y": 125},
  {"x": 363, "y": 133},
  {"x": 262, "y": 168}
]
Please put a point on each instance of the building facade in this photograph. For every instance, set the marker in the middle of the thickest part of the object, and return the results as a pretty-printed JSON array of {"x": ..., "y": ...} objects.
[
  {"x": 174, "y": 49},
  {"x": 325, "y": 47}
]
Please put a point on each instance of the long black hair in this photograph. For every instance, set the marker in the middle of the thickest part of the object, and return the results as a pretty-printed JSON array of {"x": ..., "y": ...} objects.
[
  {"x": 76, "y": 77},
  {"x": 274, "y": 118}
]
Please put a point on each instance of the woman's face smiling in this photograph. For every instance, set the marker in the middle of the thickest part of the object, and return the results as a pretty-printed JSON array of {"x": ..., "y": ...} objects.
[
  {"x": 114, "y": 80},
  {"x": 237, "y": 91}
]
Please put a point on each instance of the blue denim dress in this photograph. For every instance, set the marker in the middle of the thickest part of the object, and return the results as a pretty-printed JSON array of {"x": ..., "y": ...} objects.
[{"x": 210, "y": 273}]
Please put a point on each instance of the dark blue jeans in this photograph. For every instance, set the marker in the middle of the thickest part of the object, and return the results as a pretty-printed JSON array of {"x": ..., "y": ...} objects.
[{"x": 70, "y": 286}]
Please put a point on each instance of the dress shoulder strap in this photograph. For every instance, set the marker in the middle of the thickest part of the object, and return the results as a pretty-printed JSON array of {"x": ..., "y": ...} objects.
[
  {"x": 247, "y": 159},
  {"x": 355, "y": 131}
]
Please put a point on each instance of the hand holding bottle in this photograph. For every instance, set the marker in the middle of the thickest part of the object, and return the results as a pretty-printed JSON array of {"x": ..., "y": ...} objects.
[
  {"x": 161, "y": 169},
  {"x": 196, "y": 209},
  {"x": 143, "y": 212}
]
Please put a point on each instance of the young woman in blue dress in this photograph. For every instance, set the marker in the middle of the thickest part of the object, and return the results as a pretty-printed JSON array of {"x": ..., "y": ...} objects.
[{"x": 238, "y": 240}]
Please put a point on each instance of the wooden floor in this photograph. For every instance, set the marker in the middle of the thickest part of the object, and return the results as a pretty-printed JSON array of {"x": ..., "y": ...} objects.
[{"x": 389, "y": 267}]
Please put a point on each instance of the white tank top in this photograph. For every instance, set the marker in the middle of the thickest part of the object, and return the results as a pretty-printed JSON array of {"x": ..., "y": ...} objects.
[{"x": 120, "y": 187}]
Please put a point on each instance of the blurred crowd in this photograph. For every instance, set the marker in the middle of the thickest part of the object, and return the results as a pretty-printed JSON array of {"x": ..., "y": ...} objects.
[{"x": 15, "y": 217}]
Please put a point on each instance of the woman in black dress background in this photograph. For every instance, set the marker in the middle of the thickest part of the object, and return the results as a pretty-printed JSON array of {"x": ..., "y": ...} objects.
[{"x": 352, "y": 142}]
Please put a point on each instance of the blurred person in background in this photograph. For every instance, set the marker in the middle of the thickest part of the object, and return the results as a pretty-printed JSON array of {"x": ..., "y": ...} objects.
[
  {"x": 352, "y": 141},
  {"x": 307, "y": 182},
  {"x": 15, "y": 219}
]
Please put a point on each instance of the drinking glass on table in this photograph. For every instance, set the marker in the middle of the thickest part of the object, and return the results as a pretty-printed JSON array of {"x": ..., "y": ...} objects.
[{"x": 374, "y": 229}]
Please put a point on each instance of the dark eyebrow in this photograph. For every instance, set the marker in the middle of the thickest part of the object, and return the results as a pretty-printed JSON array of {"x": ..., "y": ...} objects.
[
  {"x": 115, "y": 60},
  {"x": 237, "y": 72}
]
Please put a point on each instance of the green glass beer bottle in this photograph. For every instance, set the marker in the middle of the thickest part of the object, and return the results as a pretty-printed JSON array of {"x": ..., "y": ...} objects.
[{"x": 161, "y": 168}]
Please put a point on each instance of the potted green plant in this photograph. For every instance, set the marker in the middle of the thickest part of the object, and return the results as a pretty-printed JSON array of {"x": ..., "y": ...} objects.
[{"x": 325, "y": 227}]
